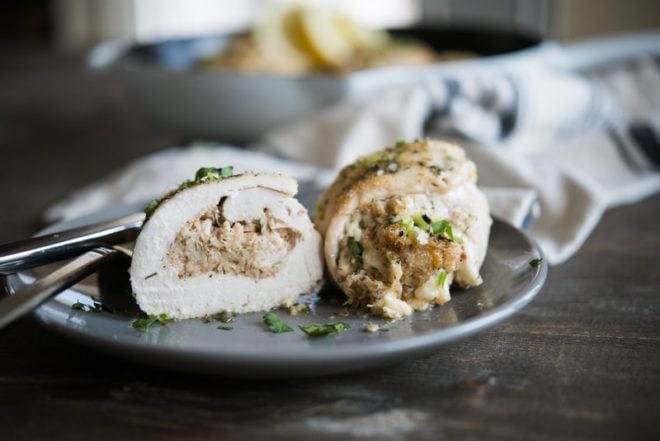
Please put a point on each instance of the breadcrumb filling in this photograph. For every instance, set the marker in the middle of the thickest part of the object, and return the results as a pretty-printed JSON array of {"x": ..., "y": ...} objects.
[
  {"x": 211, "y": 244},
  {"x": 395, "y": 268}
]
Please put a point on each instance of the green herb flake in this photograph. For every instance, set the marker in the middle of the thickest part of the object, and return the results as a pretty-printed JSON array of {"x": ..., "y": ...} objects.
[
  {"x": 400, "y": 143},
  {"x": 408, "y": 226},
  {"x": 442, "y": 278},
  {"x": 222, "y": 316},
  {"x": 145, "y": 323},
  {"x": 316, "y": 330},
  {"x": 226, "y": 172},
  {"x": 535, "y": 262},
  {"x": 213, "y": 174},
  {"x": 420, "y": 222},
  {"x": 151, "y": 207},
  {"x": 372, "y": 159},
  {"x": 79, "y": 306},
  {"x": 225, "y": 328},
  {"x": 95, "y": 307},
  {"x": 275, "y": 324},
  {"x": 444, "y": 229},
  {"x": 354, "y": 247},
  {"x": 99, "y": 307}
]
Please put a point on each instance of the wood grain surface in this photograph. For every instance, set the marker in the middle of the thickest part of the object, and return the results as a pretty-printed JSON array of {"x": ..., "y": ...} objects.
[{"x": 582, "y": 362}]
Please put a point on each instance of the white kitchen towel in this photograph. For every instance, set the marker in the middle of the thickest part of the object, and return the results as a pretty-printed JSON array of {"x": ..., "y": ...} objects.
[{"x": 581, "y": 128}]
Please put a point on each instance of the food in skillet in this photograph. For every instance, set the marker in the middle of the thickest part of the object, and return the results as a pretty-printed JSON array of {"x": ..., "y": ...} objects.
[
  {"x": 225, "y": 243},
  {"x": 402, "y": 225},
  {"x": 300, "y": 38}
]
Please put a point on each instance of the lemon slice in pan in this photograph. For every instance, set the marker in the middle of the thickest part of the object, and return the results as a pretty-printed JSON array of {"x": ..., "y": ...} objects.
[{"x": 313, "y": 34}]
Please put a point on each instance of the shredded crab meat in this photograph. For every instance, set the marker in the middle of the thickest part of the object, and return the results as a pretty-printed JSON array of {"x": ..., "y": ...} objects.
[{"x": 211, "y": 244}]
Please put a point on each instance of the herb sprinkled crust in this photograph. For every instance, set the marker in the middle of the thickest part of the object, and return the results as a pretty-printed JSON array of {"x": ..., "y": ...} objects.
[
  {"x": 402, "y": 224},
  {"x": 203, "y": 176},
  {"x": 427, "y": 165}
]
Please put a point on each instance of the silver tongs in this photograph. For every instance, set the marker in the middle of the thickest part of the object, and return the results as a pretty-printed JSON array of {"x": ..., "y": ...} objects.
[{"x": 93, "y": 244}]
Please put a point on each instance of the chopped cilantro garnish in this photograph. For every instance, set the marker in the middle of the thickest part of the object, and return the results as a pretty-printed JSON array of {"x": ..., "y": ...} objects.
[
  {"x": 354, "y": 247},
  {"x": 225, "y": 327},
  {"x": 315, "y": 330},
  {"x": 443, "y": 228},
  {"x": 276, "y": 324},
  {"x": 151, "y": 207},
  {"x": 442, "y": 278},
  {"x": 400, "y": 143},
  {"x": 535, "y": 262},
  {"x": 145, "y": 323}
]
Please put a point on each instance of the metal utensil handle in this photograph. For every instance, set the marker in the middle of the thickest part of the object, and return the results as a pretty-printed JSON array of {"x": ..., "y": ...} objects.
[
  {"x": 38, "y": 250},
  {"x": 29, "y": 297}
]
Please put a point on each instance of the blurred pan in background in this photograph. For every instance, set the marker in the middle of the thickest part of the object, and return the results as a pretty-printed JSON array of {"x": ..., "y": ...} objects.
[{"x": 167, "y": 81}]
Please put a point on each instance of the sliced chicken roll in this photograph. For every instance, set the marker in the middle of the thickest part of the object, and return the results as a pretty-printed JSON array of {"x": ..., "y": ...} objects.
[
  {"x": 225, "y": 243},
  {"x": 402, "y": 224}
]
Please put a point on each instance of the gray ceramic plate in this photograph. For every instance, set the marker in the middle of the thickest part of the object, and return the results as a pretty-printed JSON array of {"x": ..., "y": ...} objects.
[{"x": 248, "y": 350}]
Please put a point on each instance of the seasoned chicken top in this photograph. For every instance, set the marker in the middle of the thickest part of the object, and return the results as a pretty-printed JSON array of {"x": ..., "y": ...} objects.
[{"x": 402, "y": 224}]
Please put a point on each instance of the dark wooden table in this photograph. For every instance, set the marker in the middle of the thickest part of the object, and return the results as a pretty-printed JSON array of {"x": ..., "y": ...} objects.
[{"x": 581, "y": 362}]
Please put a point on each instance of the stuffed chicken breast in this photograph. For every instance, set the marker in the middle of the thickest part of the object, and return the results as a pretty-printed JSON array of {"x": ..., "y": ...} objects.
[
  {"x": 225, "y": 243},
  {"x": 402, "y": 224}
]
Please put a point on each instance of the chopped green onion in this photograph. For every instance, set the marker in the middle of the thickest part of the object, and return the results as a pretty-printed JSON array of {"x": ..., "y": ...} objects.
[
  {"x": 225, "y": 327},
  {"x": 443, "y": 228},
  {"x": 143, "y": 324},
  {"x": 354, "y": 247},
  {"x": 420, "y": 222},
  {"x": 442, "y": 278},
  {"x": 275, "y": 324},
  {"x": 408, "y": 226},
  {"x": 315, "y": 330}
]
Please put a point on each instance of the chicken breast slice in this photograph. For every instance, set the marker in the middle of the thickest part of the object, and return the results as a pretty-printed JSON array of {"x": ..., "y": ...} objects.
[
  {"x": 236, "y": 244},
  {"x": 402, "y": 224}
]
